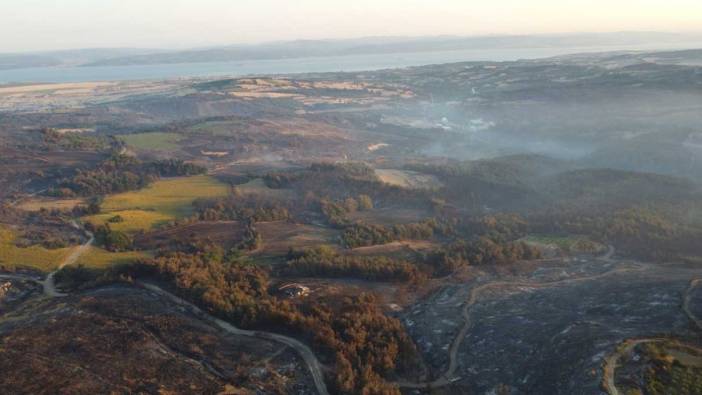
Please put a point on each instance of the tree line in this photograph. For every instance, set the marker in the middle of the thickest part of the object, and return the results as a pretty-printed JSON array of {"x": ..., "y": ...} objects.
[
  {"x": 121, "y": 173},
  {"x": 324, "y": 261},
  {"x": 364, "y": 344}
]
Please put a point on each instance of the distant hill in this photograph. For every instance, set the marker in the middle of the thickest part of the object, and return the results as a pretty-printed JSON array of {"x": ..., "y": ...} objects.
[
  {"x": 382, "y": 45},
  {"x": 70, "y": 57},
  {"x": 360, "y": 46}
]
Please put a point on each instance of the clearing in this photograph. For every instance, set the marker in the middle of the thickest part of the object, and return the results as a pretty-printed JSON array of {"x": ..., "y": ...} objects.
[
  {"x": 163, "y": 201},
  {"x": 36, "y": 204},
  {"x": 408, "y": 179},
  {"x": 153, "y": 140},
  {"x": 36, "y": 256}
]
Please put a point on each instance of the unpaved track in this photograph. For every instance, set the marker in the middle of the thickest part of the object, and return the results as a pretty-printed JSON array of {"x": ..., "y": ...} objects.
[
  {"x": 307, "y": 355},
  {"x": 686, "y": 303},
  {"x": 449, "y": 375},
  {"x": 612, "y": 361},
  {"x": 49, "y": 283},
  {"x": 313, "y": 364}
]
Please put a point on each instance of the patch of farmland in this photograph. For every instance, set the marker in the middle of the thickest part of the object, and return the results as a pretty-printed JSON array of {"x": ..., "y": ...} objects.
[
  {"x": 36, "y": 204},
  {"x": 37, "y": 257},
  {"x": 280, "y": 236},
  {"x": 225, "y": 233},
  {"x": 153, "y": 140},
  {"x": 169, "y": 199},
  {"x": 408, "y": 179}
]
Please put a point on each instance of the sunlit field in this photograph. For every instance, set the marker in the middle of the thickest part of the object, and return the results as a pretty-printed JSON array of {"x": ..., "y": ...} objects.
[
  {"x": 35, "y": 257},
  {"x": 163, "y": 201},
  {"x": 153, "y": 141}
]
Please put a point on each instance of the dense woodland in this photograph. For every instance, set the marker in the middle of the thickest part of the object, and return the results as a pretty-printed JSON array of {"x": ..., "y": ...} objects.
[
  {"x": 242, "y": 207},
  {"x": 121, "y": 173},
  {"x": 364, "y": 344},
  {"x": 325, "y": 262}
]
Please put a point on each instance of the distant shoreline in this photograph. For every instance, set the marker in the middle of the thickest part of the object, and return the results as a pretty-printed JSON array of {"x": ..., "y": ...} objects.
[{"x": 342, "y": 63}]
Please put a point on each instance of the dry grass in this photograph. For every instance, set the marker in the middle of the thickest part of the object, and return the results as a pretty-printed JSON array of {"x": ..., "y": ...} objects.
[
  {"x": 37, "y": 204},
  {"x": 133, "y": 220},
  {"x": 36, "y": 257},
  {"x": 153, "y": 141},
  {"x": 99, "y": 258},
  {"x": 258, "y": 187},
  {"x": 280, "y": 236},
  {"x": 163, "y": 201},
  {"x": 408, "y": 179},
  {"x": 71, "y": 87}
]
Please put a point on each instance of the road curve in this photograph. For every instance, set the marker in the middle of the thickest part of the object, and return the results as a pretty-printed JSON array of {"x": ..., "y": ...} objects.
[
  {"x": 49, "y": 283},
  {"x": 313, "y": 364},
  {"x": 307, "y": 355},
  {"x": 611, "y": 362},
  {"x": 449, "y": 375},
  {"x": 686, "y": 303}
]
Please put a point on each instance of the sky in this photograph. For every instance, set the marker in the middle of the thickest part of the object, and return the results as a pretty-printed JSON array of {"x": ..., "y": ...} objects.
[{"x": 31, "y": 25}]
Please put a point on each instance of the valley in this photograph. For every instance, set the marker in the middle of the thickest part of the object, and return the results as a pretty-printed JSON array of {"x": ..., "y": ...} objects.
[{"x": 517, "y": 227}]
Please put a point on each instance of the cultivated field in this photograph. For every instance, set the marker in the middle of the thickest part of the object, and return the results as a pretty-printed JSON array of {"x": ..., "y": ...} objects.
[
  {"x": 153, "y": 141},
  {"x": 99, "y": 258},
  {"x": 408, "y": 179},
  {"x": 163, "y": 201},
  {"x": 132, "y": 220},
  {"x": 35, "y": 257},
  {"x": 280, "y": 236},
  {"x": 226, "y": 233},
  {"x": 36, "y": 204}
]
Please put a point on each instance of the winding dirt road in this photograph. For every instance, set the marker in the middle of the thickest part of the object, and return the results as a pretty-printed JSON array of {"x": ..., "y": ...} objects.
[
  {"x": 313, "y": 364},
  {"x": 612, "y": 361},
  {"x": 686, "y": 303},
  {"x": 49, "y": 284},
  {"x": 449, "y": 375}
]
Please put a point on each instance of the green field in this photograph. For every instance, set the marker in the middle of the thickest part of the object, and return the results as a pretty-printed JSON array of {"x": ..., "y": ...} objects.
[
  {"x": 161, "y": 202},
  {"x": 134, "y": 220},
  {"x": 36, "y": 257},
  {"x": 153, "y": 140},
  {"x": 98, "y": 258}
]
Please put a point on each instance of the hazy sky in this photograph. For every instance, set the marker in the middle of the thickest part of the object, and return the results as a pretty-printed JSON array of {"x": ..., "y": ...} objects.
[{"x": 56, "y": 24}]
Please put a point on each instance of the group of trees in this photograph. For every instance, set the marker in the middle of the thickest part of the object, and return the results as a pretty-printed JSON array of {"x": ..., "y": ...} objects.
[
  {"x": 111, "y": 240},
  {"x": 365, "y": 344},
  {"x": 645, "y": 232},
  {"x": 251, "y": 239},
  {"x": 480, "y": 251},
  {"x": 121, "y": 173},
  {"x": 241, "y": 207},
  {"x": 336, "y": 212},
  {"x": 338, "y": 181},
  {"x": 324, "y": 261},
  {"x": 362, "y": 234}
]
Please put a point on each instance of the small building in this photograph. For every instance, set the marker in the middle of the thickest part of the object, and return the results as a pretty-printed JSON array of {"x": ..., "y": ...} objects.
[{"x": 294, "y": 290}]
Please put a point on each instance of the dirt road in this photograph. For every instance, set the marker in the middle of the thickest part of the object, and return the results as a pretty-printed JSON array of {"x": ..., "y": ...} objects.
[
  {"x": 612, "y": 361},
  {"x": 686, "y": 303},
  {"x": 313, "y": 364},
  {"x": 449, "y": 375},
  {"x": 49, "y": 283}
]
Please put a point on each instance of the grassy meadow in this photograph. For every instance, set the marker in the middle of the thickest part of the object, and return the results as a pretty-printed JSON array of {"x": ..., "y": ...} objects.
[
  {"x": 36, "y": 257},
  {"x": 153, "y": 141},
  {"x": 98, "y": 258},
  {"x": 159, "y": 203}
]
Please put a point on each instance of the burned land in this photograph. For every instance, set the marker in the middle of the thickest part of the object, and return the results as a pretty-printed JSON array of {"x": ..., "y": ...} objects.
[{"x": 489, "y": 227}]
